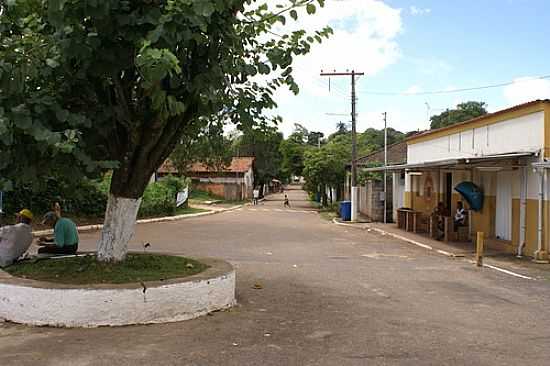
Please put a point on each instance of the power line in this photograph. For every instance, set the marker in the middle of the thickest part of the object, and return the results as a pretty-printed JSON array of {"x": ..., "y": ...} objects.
[{"x": 451, "y": 91}]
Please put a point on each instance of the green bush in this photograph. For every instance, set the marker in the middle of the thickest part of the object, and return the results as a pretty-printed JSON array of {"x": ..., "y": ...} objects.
[
  {"x": 83, "y": 198},
  {"x": 88, "y": 198},
  {"x": 159, "y": 197}
]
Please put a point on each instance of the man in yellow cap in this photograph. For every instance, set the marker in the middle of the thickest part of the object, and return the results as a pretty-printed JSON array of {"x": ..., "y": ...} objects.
[{"x": 15, "y": 239}]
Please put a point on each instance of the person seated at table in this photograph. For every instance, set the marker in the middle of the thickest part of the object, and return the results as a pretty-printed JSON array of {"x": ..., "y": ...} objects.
[
  {"x": 15, "y": 239},
  {"x": 460, "y": 216},
  {"x": 439, "y": 214},
  {"x": 65, "y": 235}
]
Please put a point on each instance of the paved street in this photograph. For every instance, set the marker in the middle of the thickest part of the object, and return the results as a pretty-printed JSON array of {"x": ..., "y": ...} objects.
[{"x": 331, "y": 296}]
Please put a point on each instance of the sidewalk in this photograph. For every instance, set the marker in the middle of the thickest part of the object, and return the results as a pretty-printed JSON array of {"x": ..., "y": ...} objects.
[
  {"x": 211, "y": 211},
  {"x": 518, "y": 267}
]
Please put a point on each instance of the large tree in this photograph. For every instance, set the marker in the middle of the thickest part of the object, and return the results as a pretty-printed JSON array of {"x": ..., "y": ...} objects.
[
  {"x": 292, "y": 150},
  {"x": 87, "y": 85},
  {"x": 263, "y": 144},
  {"x": 326, "y": 167},
  {"x": 462, "y": 112}
]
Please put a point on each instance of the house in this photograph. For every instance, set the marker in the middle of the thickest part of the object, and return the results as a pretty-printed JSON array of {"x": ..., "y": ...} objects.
[
  {"x": 232, "y": 182},
  {"x": 504, "y": 156},
  {"x": 371, "y": 193}
]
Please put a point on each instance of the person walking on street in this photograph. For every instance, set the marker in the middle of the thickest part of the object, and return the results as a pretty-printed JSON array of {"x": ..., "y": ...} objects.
[
  {"x": 286, "y": 203},
  {"x": 255, "y": 196}
]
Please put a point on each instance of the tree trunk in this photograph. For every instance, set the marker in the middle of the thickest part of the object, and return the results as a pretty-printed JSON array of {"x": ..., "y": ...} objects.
[
  {"x": 118, "y": 229},
  {"x": 324, "y": 195}
]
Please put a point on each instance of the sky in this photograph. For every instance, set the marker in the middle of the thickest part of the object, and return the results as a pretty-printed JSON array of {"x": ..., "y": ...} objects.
[{"x": 411, "y": 46}]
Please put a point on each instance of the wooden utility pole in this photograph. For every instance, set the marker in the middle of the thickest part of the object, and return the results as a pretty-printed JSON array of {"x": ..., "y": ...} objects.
[
  {"x": 385, "y": 167},
  {"x": 354, "y": 194}
]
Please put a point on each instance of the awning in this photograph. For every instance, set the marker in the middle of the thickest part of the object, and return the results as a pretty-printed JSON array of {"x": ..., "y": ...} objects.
[{"x": 453, "y": 162}]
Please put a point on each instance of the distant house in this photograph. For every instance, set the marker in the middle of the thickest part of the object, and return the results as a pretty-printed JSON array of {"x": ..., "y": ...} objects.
[
  {"x": 371, "y": 197},
  {"x": 232, "y": 182}
]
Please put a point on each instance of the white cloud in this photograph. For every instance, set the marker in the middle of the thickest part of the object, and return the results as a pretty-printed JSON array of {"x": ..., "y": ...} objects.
[
  {"x": 419, "y": 11},
  {"x": 364, "y": 39},
  {"x": 526, "y": 89},
  {"x": 415, "y": 89}
]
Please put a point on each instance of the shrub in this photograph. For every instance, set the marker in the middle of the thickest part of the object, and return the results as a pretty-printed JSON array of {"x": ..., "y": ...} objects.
[
  {"x": 83, "y": 198},
  {"x": 159, "y": 197},
  {"x": 88, "y": 198}
]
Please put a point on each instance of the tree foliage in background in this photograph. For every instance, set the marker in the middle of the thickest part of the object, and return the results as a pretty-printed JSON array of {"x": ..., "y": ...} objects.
[
  {"x": 87, "y": 85},
  {"x": 326, "y": 168},
  {"x": 293, "y": 149},
  {"x": 263, "y": 144},
  {"x": 210, "y": 147},
  {"x": 463, "y": 112}
]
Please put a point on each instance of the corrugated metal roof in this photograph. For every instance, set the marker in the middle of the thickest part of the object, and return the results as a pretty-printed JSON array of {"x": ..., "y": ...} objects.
[{"x": 452, "y": 162}]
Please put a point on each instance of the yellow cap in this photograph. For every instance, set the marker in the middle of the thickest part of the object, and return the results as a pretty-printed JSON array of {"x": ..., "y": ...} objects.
[{"x": 26, "y": 213}]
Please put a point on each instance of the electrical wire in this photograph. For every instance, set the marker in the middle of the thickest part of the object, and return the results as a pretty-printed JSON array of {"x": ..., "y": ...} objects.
[{"x": 451, "y": 91}]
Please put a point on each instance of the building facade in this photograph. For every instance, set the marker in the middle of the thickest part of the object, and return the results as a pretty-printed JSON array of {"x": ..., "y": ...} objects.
[
  {"x": 506, "y": 154},
  {"x": 232, "y": 182}
]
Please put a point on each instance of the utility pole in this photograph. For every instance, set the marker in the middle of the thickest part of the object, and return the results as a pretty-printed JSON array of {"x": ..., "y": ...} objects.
[
  {"x": 385, "y": 167},
  {"x": 354, "y": 189}
]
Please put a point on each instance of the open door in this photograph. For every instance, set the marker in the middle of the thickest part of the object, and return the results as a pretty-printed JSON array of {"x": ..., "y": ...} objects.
[
  {"x": 449, "y": 192},
  {"x": 503, "y": 223}
]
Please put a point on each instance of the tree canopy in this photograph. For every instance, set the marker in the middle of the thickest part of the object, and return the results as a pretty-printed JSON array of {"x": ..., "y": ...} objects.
[
  {"x": 89, "y": 85},
  {"x": 263, "y": 145},
  {"x": 462, "y": 112}
]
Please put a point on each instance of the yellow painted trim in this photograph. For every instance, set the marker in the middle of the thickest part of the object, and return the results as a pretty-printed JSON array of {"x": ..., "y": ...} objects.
[
  {"x": 407, "y": 202},
  {"x": 487, "y": 120}
]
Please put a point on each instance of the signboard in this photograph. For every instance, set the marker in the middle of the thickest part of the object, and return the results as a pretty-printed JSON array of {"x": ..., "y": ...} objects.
[{"x": 181, "y": 197}]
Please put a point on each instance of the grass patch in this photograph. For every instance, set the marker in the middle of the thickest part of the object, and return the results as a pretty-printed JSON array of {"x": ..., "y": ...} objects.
[
  {"x": 328, "y": 215},
  {"x": 197, "y": 195},
  {"x": 86, "y": 270},
  {"x": 189, "y": 210}
]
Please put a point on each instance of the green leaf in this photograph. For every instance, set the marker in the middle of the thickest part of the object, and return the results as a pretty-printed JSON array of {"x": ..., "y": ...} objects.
[
  {"x": 310, "y": 8},
  {"x": 294, "y": 14}
]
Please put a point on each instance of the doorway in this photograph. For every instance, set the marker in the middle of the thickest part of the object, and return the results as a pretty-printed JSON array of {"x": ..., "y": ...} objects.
[
  {"x": 503, "y": 223},
  {"x": 448, "y": 191}
]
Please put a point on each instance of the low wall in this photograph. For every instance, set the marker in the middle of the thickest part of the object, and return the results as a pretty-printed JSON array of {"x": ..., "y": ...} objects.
[{"x": 41, "y": 303}]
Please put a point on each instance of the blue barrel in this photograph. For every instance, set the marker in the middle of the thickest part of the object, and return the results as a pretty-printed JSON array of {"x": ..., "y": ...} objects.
[{"x": 345, "y": 210}]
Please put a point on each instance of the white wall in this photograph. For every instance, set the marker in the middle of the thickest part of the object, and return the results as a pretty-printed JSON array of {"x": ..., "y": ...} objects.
[{"x": 522, "y": 134}]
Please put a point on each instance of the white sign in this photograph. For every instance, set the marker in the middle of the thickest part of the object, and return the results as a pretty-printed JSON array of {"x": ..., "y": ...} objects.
[{"x": 181, "y": 198}]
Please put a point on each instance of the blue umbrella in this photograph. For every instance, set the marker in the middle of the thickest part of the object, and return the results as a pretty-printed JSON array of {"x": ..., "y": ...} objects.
[{"x": 472, "y": 194}]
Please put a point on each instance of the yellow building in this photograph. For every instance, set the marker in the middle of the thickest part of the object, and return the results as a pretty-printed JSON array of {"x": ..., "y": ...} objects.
[{"x": 507, "y": 155}]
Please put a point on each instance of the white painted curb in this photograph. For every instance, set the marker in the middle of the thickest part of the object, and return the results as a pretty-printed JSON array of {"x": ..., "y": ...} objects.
[
  {"x": 428, "y": 247},
  {"x": 39, "y": 303},
  {"x": 95, "y": 227}
]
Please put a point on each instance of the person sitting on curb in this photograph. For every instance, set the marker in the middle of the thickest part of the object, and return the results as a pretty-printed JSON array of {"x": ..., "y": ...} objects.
[
  {"x": 65, "y": 236},
  {"x": 15, "y": 239}
]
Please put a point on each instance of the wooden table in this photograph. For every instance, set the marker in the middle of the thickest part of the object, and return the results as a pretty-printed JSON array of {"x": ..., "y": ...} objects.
[{"x": 407, "y": 219}]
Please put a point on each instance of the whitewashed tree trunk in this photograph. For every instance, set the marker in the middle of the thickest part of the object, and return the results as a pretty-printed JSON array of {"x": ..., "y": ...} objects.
[{"x": 118, "y": 228}]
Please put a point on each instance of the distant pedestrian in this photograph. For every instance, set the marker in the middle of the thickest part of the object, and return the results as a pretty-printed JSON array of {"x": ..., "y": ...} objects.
[
  {"x": 255, "y": 196},
  {"x": 287, "y": 203}
]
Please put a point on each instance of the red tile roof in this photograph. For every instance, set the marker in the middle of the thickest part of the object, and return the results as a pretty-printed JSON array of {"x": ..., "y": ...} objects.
[{"x": 237, "y": 165}]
